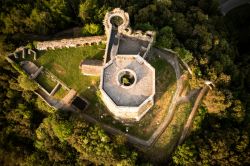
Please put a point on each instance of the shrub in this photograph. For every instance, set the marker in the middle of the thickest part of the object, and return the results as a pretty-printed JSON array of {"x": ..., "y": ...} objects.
[
  {"x": 92, "y": 29},
  {"x": 184, "y": 54},
  {"x": 26, "y": 83}
]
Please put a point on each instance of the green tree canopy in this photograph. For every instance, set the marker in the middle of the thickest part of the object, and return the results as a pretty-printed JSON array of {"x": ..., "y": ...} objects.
[
  {"x": 26, "y": 83},
  {"x": 92, "y": 29}
]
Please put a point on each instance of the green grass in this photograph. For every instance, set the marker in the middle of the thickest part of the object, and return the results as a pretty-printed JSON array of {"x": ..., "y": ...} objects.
[
  {"x": 165, "y": 89},
  {"x": 165, "y": 76},
  {"x": 60, "y": 93},
  {"x": 45, "y": 81},
  {"x": 64, "y": 63}
]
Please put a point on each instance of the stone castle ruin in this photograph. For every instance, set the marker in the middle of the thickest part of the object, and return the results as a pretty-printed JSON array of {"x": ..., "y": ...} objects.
[
  {"x": 122, "y": 40},
  {"x": 127, "y": 80}
]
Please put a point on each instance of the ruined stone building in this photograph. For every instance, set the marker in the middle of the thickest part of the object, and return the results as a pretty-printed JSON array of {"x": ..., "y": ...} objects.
[{"x": 127, "y": 80}]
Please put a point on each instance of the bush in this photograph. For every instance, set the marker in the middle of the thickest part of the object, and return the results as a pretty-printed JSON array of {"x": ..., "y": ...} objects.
[
  {"x": 18, "y": 69},
  {"x": 145, "y": 26},
  {"x": 184, "y": 54},
  {"x": 43, "y": 106},
  {"x": 26, "y": 83},
  {"x": 166, "y": 37},
  {"x": 92, "y": 29}
]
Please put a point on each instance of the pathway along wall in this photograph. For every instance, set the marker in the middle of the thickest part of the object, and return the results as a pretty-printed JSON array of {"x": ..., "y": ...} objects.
[{"x": 72, "y": 42}]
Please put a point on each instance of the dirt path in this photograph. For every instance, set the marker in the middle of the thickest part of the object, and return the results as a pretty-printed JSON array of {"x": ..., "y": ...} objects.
[
  {"x": 188, "y": 98},
  {"x": 189, "y": 122}
]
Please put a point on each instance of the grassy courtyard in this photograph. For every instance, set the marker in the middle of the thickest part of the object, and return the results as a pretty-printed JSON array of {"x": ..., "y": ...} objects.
[{"x": 64, "y": 63}]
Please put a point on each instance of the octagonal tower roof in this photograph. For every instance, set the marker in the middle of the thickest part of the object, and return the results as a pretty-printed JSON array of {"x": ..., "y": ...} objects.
[{"x": 144, "y": 81}]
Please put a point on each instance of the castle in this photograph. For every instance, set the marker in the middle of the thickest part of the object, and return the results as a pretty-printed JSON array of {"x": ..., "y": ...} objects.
[{"x": 127, "y": 80}]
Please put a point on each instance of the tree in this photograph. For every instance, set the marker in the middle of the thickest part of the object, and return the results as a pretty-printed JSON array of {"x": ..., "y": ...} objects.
[
  {"x": 184, "y": 54},
  {"x": 62, "y": 133},
  {"x": 41, "y": 105},
  {"x": 181, "y": 25},
  {"x": 40, "y": 21},
  {"x": 146, "y": 14},
  {"x": 62, "y": 129},
  {"x": 216, "y": 102},
  {"x": 26, "y": 83},
  {"x": 87, "y": 9},
  {"x": 145, "y": 27},
  {"x": 165, "y": 37},
  {"x": 220, "y": 146},
  {"x": 237, "y": 111},
  {"x": 92, "y": 29},
  {"x": 204, "y": 36},
  {"x": 185, "y": 154},
  {"x": 58, "y": 150}
]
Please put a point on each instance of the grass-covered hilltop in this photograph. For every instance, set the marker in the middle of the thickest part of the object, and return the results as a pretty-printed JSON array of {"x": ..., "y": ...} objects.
[{"x": 39, "y": 127}]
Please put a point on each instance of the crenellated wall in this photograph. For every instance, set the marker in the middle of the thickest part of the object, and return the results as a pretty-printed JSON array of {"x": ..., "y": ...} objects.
[{"x": 124, "y": 30}]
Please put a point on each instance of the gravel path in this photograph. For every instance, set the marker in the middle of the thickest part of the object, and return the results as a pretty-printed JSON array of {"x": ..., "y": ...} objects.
[{"x": 189, "y": 122}]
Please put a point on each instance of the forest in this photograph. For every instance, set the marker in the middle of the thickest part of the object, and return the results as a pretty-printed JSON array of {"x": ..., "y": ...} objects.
[{"x": 215, "y": 47}]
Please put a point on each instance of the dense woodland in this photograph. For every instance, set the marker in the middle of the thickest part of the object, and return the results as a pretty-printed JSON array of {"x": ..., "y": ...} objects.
[{"x": 215, "y": 47}]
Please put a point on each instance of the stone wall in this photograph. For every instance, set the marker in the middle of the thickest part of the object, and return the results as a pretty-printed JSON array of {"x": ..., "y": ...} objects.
[
  {"x": 117, "y": 12},
  {"x": 127, "y": 113},
  {"x": 124, "y": 29},
  {"x": 73, "y": 42},
  {"x": 23, "y": 51}
]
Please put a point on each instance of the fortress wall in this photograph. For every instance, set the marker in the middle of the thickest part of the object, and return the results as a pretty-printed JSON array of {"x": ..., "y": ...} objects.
[
  {"x": 127, "y": 112},
  {"x": 73, "y": 42},
  {"x": 23, "y": 51}
]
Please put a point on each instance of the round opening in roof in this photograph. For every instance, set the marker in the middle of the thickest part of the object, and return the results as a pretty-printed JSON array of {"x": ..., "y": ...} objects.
[{"x": 126, "y": 78}]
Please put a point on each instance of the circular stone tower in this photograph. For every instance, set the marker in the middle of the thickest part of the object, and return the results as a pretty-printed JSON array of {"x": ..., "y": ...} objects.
[{"x": 128, "y": 86}]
